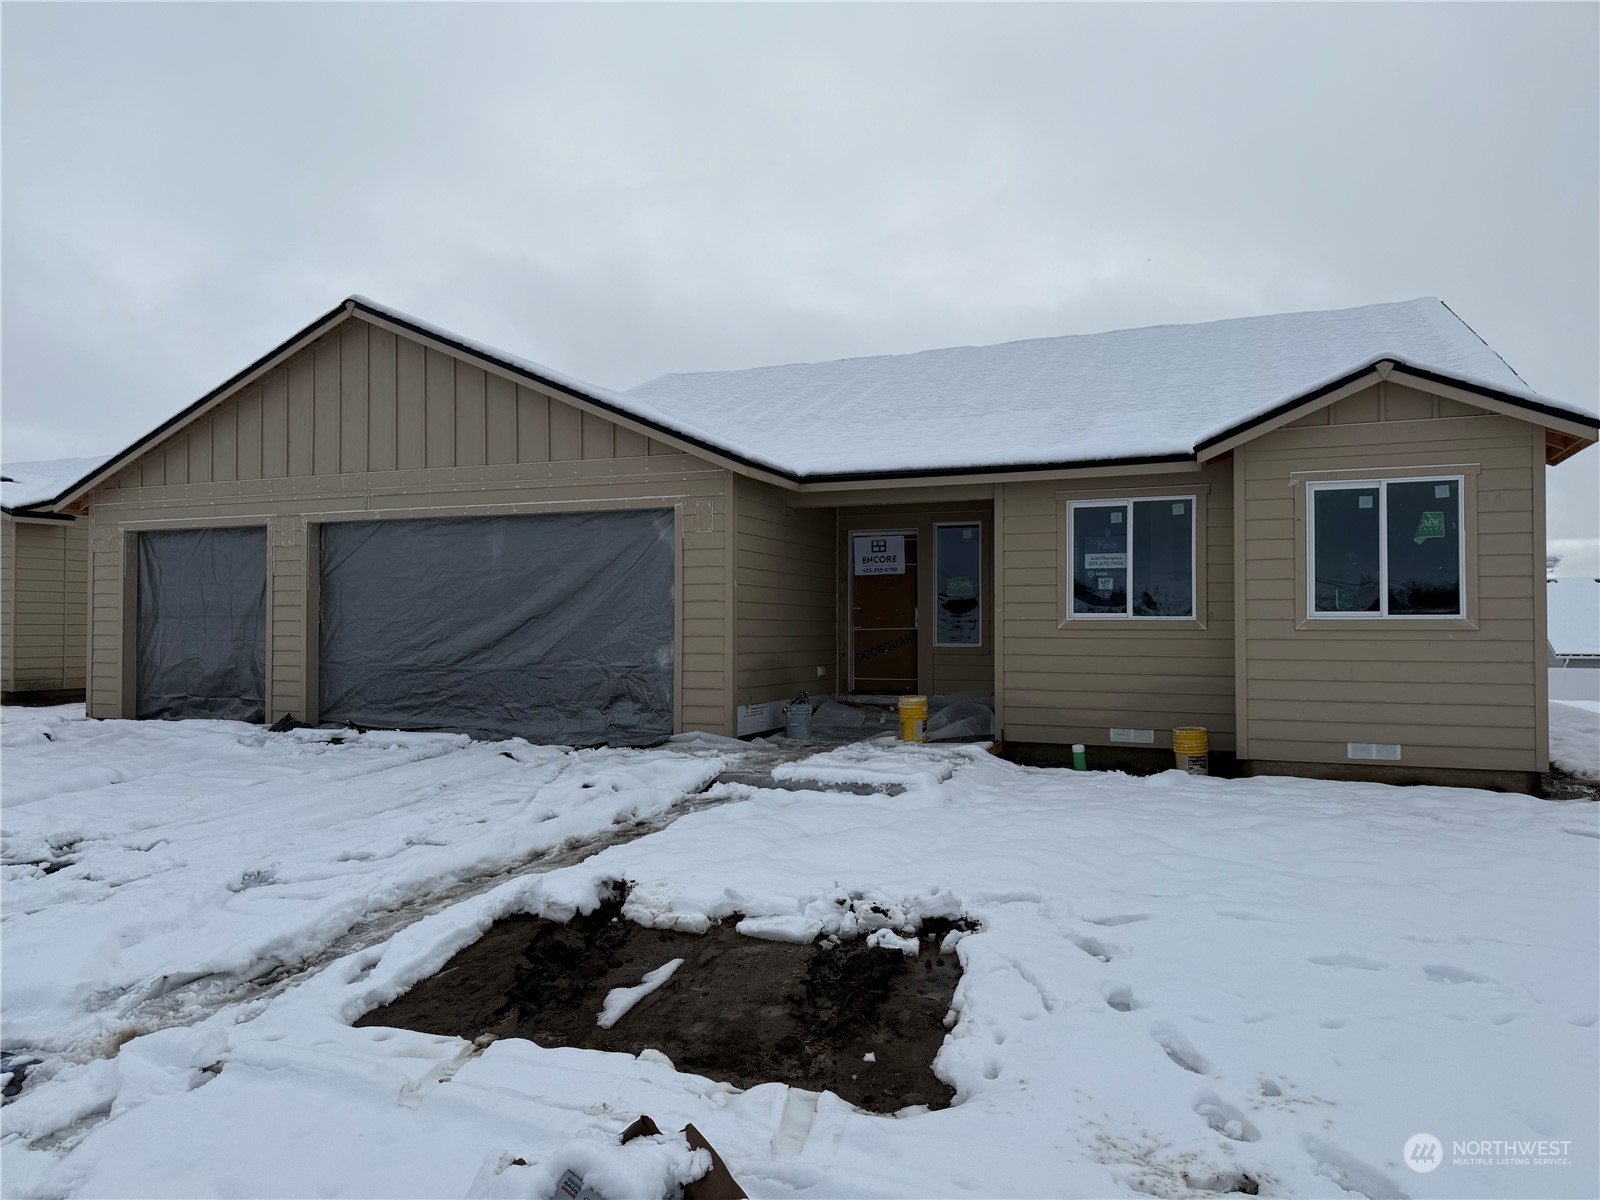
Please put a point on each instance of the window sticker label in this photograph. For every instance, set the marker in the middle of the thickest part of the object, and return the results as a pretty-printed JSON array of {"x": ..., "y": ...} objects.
[
  {"x": 1441, "y": 491},
  {"x": 1116, "y": 517},
  {"x": 1177, "y": 509},
  {"x": 1429, "y": 525},
  {"x": 959, "y": 586},
  {"x": 1105, "y": 562},
  {"x": 1363, "y": 501},
  {"x": 1106, "y": 586}
]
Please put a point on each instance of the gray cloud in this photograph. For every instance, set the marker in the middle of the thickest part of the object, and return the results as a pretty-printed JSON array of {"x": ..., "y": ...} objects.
[{"x": 621, "y": 191}]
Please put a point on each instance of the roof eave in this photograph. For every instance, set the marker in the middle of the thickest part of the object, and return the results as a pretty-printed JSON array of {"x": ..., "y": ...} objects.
[
  {"x": 1583, "y": 429},
  {"x": 38, "y": 511}
]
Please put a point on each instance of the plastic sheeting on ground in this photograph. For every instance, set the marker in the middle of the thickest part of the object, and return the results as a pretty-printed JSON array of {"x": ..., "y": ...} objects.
[
  {"x": 960, "y": 715},
  {"x": 952, "y": 716},
  {"x": 556, "y": 627},
  {"x": 202, "y": 624}
]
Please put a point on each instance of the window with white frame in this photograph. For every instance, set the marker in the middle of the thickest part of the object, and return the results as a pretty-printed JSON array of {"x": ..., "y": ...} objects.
[
  {"x": 1386, "y": 548},
  {"x": 1131, "y": 559}
]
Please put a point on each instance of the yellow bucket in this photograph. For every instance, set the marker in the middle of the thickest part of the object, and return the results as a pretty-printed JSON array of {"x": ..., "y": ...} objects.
[
  {"x": 1190, "y": 746},
  {"x": 913, "y": 718}
]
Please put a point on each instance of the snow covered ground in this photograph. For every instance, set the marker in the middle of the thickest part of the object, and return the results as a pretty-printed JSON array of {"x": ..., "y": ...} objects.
[
  {"x": 1575, "y": 737},
  {"x": 1178, "y": 986},
  {"x": 150, "y": 866}
]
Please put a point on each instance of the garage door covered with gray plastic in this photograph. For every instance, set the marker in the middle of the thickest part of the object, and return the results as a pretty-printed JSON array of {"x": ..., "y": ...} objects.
[
  {"x": 557, "y": 628},
  {"x": 202, "y": 624}
]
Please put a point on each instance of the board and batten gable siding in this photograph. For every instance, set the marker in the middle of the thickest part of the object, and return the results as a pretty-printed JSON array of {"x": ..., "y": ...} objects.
[
  {"x": 1065, "y": 681},
  {"x": 1468, "y": 694},
  {"x": 365, "y": 423},
  {"x": 784, "y": 607},
  {"x": 44, "y": 620}
]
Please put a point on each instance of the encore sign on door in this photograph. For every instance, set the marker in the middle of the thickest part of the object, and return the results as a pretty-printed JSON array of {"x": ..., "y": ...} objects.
[{"x": 880, "y": 554}]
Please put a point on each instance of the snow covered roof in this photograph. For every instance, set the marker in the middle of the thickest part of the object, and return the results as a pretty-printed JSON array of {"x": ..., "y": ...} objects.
[
  {"x": 1130, "y": 396},
  {"x": 28, "y": 483},
  {"x": 1134, "y": 393},
  {"x": 1574, "y": 611}
]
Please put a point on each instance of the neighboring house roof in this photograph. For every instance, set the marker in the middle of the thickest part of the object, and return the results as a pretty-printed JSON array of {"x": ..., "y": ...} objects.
[
  {"x": 1574, "y": 613},
  {"x": 1167, "y": 393},
  {"x": 26, "y": 484},
  {"x": 1159, "y": 392}
]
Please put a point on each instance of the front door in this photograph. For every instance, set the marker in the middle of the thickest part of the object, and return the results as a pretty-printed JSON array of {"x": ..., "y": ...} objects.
[{"x": 883, "y": 613}]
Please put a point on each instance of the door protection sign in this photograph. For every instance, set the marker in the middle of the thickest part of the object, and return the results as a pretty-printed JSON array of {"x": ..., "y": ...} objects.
[{"x": 880, "y": 554}]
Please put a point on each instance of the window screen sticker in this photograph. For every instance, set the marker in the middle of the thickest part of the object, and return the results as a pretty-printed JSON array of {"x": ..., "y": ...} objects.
[
  {"x": 1441, "y": 491},
  {"x": 1177, "y": 509},
  {"x": 1429, "y": 525},
  {"x": 1116, "y": 517},
  {"x": 1363, "y": 501}
]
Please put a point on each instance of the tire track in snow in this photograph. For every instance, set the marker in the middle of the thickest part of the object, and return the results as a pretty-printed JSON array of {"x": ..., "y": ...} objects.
[
  {"x": 192, "y": 1001},
  {"x": 186, "y": 998}
]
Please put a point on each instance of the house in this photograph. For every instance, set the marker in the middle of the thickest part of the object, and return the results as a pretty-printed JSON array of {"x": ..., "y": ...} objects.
[
  {"x": 1318, "y": 535},
  {"x": 44, "y": 584},
  {"x": 1574, "y": 629}
]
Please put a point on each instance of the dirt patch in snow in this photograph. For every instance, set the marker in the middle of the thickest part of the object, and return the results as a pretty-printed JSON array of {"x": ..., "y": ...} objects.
[
  {"x": 1564, "y": 785},
  {"x": 739, "y": 1009}
]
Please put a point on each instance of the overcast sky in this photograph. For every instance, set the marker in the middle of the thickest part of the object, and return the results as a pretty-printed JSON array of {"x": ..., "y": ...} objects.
[{"x": 620, "y": 191}]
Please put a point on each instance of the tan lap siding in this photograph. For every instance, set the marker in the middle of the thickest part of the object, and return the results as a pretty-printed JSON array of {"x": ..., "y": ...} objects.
[
  {"x": 366, "y": 423},
  {"x": 1073, "y": 681},
  {"x": 784, "y": 596},
  {"x": 46, "y": 584},
  {"x": 1450, "y": 696}
]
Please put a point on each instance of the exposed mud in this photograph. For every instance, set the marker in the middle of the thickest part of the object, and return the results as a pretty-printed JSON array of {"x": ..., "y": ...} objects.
[
  {"x": 740, "y": 1009},
  {"x": 1564, "y": 785}
]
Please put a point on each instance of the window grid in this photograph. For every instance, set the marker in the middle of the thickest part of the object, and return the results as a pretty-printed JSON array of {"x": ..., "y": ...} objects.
[
  {"x": 1383, "y": 613},
  {"x": 1127, "y": 508}
]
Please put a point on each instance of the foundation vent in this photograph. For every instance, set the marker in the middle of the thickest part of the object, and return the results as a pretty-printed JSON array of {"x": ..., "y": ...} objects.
[
  {"x": 1145, "y": 736},
  {"x": 1372, "y": 751}
]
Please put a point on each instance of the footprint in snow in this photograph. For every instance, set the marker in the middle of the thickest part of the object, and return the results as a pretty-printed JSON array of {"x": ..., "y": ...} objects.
[
  {"x": 1118, "y": 919},
  {"x": 1093, "y": 947},
  {"x": 1240, "y": 914},
  {"x": 1178, "y": 1049},
  {"x": 1225, "y": 1118},
  {"x": 1588, "y": 831},
  {"x": 1443, "y": 973},
  {"x": 1354, "y": 961},
  {"x": 1119, "y": 996}
]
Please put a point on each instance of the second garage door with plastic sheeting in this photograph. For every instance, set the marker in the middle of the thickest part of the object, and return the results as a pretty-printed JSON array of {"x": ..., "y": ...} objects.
[
  {"x": 201, "y": 624},
  {"x": 558, "y": 628}
]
